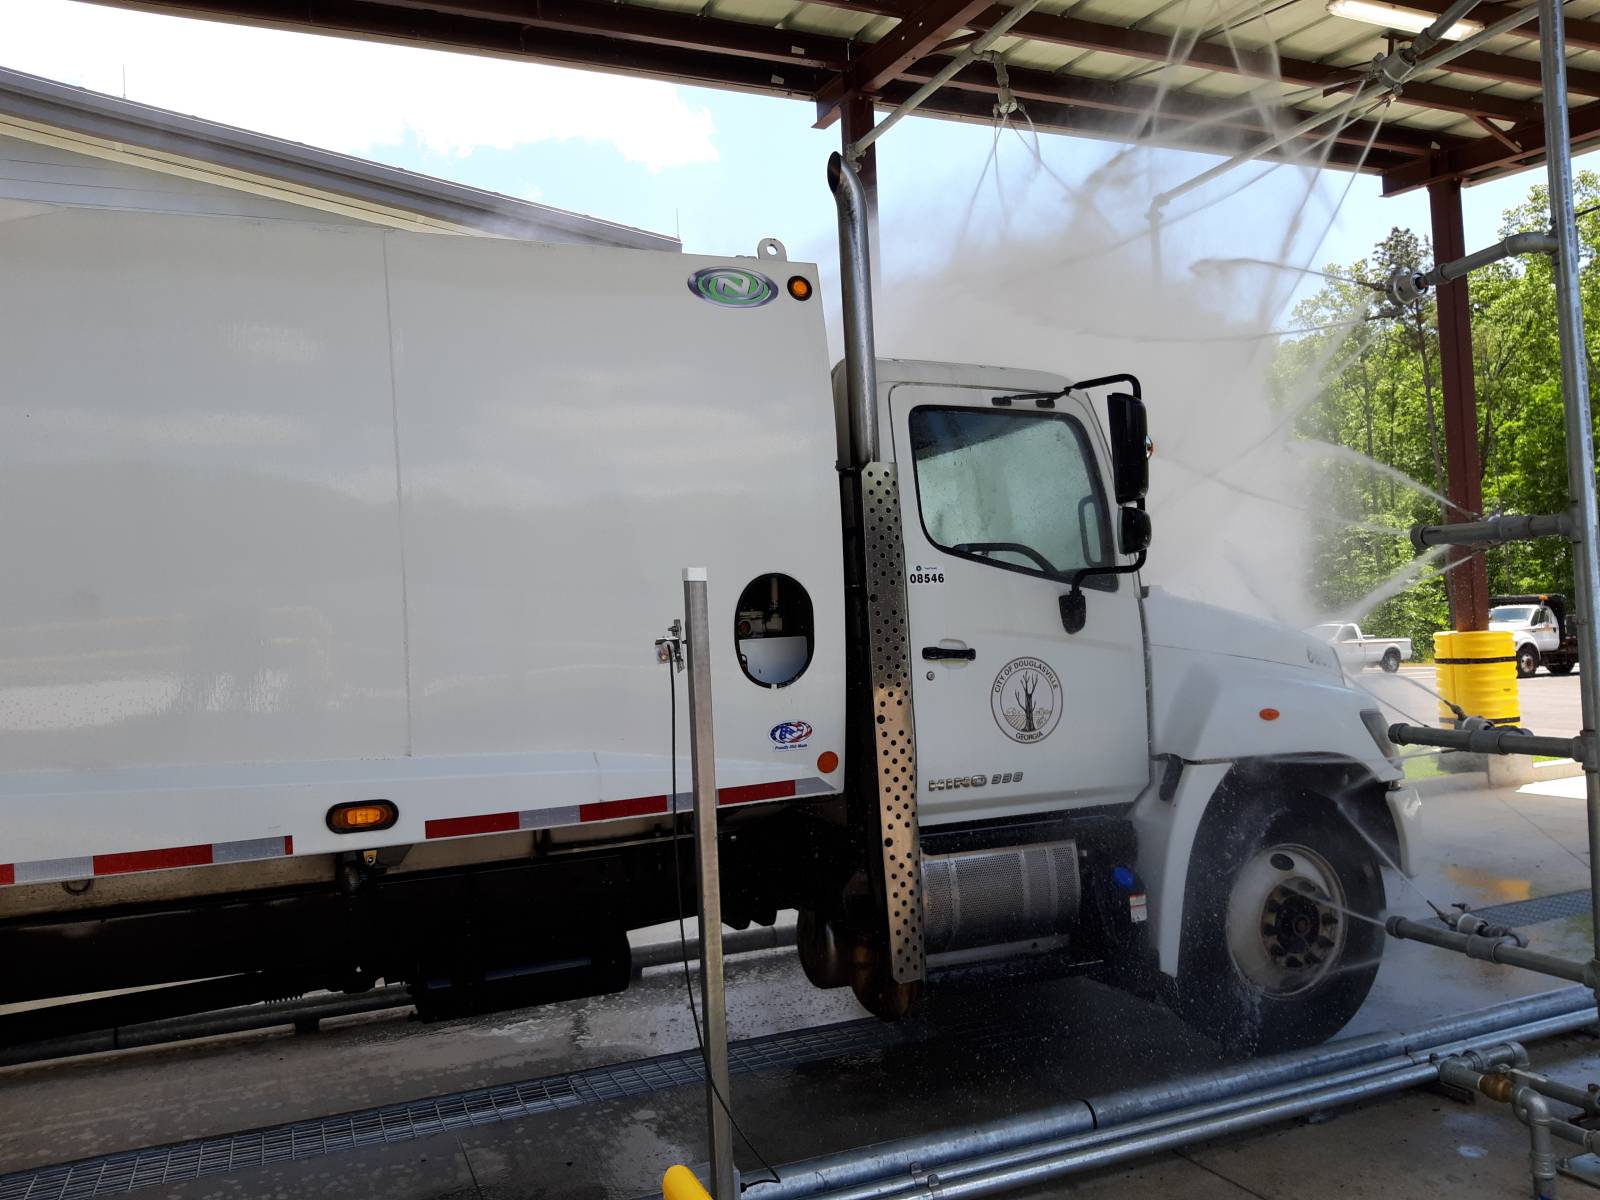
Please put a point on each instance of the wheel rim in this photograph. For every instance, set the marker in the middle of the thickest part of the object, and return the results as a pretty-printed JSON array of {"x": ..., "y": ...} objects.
[{"x": 1286, "y": 920}]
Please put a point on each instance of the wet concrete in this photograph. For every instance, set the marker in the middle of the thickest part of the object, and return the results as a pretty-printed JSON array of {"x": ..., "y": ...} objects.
[{"x": 983, "y": 1053}]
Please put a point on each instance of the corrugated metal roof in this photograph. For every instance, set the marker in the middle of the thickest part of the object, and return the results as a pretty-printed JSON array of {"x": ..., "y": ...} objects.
[{"x": 1180, "y": 72}]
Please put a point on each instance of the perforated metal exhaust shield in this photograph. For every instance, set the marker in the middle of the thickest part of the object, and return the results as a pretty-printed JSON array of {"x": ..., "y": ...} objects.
[{"x": 890, "y": 660}]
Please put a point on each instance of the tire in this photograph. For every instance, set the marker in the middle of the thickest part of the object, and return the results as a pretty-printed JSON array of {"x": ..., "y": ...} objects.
[
  {"x": 1391, "y": 660},
  {"x": 1527, "y": 661},
  {"x": 1274, "y": 1000},
  {"x": 1560, "y": 668}
]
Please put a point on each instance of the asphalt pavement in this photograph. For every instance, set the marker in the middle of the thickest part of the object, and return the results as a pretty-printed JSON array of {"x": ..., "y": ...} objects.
[{"x": 1550, "y": 704}]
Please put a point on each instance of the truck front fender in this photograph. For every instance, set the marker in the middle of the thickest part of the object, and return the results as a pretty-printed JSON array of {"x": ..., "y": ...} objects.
[{"x": 1168, "y": 818}]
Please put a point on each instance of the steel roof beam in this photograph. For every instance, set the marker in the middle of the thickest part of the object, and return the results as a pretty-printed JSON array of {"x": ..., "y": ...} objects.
[
  {"x": 1581, "y": 35},
  {"x": 1237, "y": 116},
  {"x": 1162, "y": 131},
  {"x": 915, "y": 37},
  {"x": 1158, "y": 47},
  {"x": 1488, "y": 156},
  {"x": 653, "y": 26},
  {"x": 382, "y": 21}
]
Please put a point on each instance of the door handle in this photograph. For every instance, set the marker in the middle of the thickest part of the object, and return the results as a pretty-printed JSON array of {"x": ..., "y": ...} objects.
[{"x": 936, "y": 653}]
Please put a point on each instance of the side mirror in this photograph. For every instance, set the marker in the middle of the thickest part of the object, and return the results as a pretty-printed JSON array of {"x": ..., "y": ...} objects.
[
  {"x": 1130, "y": 447},
  {"x": 1134, "y": 533}
]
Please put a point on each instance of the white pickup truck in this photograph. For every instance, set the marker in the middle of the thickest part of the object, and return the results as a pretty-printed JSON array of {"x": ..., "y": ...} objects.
[{"x": 1356, "y": 650}]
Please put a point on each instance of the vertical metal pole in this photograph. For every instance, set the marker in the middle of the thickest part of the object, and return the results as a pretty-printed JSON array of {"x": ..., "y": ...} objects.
[
  {"x": 1575, "y": 395},
  {"x": 855, "y": 286},
  {"x": 703, "y": 761},
  {"x": 1467, "y": 585},
  {"x": 858, "y": 120}
]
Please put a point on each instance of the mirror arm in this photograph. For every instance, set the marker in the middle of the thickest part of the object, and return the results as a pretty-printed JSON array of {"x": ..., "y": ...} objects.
[{"x": 1074, "y": 608}]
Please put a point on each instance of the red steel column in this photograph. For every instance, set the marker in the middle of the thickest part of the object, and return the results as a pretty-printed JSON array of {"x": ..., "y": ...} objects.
[{"x": 1468, "y": 584}]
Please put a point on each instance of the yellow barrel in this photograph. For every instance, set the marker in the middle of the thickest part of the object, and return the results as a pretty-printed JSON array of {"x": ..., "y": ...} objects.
[
  {"x": 679, "y": 1183},
  {"x": 1478, "y": 671}
]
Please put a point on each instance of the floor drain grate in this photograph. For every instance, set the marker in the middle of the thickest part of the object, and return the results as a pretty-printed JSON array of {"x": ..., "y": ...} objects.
[
  {"x": 1522, "y": 913},
  {"x": 159, "y": 1166}
]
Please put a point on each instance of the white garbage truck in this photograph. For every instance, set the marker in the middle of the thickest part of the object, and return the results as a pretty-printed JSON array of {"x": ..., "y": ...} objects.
[{"x": 333, "y": 570}]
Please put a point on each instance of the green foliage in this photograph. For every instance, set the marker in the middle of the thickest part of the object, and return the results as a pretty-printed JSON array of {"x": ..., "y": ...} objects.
[{"x": 1366, "y": 378}]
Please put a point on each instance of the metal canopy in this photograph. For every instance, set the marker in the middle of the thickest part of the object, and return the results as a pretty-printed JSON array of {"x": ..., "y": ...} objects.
[{"x": 1095, "y": 68}]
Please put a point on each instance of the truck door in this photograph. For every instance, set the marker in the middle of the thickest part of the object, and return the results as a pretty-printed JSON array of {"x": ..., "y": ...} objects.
[{"x": 999, "y": 504}]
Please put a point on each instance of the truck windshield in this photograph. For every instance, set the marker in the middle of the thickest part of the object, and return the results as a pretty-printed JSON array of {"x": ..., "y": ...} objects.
[
  {"x": 1014, "y": 489},
  {"x": 1326, "y": 632},
  {"x": 1512, "y": 614}
]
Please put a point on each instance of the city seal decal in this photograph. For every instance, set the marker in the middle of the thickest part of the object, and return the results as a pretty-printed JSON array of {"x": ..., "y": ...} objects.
[
  {"x": 733, "y": 287},
  {"x": 1026, "y": 700}
]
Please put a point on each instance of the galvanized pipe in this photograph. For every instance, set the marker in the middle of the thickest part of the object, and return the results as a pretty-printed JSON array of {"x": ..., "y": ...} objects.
[
  {"x": 713, "y": 994},
  {"x": 943, "y": 76},
  {"x": 1486, "y": 741},
  {"x": 1491, "y": 531},
  {"x": 1006, "y": 1176},
  {"x": 1585, "y": 518},
  {"x": 855, "y": 287},
  {"x": 1408, "y": 286},
  {"x": 1434, "y": 33},
  {"x": 889, "y": 1167},
  {"x": 1393, "y": 70},
  {"x": 1492, "y": 949}
]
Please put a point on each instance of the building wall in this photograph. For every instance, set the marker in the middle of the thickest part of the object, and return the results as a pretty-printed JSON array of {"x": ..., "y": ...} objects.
[{"x": 36, "y": 173}]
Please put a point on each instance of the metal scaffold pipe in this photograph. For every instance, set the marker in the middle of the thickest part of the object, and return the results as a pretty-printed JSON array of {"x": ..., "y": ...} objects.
[
  {"x": 1584, "y": 518},
  {"x": 945, "y": 74},
  {"x": 1407, "y": 286}
]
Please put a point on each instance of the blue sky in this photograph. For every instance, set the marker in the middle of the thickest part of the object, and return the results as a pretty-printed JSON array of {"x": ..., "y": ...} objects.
[{"x": 721, "y": 169}]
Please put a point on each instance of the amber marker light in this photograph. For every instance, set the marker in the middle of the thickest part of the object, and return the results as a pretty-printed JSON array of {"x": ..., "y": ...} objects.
[
  {"x": 1269, "y": 714},
  {"x": 827, "y": 762},
  {"x": 362, "y": 817},
  {"x": 800, "y": 287}
]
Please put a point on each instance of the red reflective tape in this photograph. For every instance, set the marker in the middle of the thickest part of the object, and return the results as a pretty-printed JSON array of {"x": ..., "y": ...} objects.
[
  {"x": 288, "y": 845},
  {"x": 152, "y": 860},
  {"x": 8, "y": 874},
  {"x": 756, "y": 791},
  {"x": 459, "y": 826},
  {"x": 609, "y": 810}
]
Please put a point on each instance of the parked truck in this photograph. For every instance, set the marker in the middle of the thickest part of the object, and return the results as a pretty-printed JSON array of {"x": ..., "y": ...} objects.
[
  {"x": 1541, "y": 631},
  {"x": 1356, "y": 650},
  {"x": 337, "y": 564}
]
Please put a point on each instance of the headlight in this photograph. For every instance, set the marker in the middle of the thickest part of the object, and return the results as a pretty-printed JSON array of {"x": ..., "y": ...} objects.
[{"x": 1378, "y": 727}]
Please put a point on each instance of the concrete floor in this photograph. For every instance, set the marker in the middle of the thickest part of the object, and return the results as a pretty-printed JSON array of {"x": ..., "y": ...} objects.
[{"x": 1057, "y": 1040}]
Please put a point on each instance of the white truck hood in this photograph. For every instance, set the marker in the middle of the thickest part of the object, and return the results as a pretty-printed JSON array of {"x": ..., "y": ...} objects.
[
  {"x": 1182, "y": 624},
  {"x": 1512, "y": 626}
]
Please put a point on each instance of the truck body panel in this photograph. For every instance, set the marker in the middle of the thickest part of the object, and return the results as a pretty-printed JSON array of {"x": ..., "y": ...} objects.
[{"x": 329, "y": 514}]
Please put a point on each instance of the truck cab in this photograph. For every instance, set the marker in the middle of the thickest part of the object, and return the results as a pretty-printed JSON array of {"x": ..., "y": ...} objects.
[{"x": 1539, "y": 631}]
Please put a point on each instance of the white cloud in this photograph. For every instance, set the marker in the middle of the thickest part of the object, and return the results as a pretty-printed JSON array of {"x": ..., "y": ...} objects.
[{"x": 347, "y": 95}]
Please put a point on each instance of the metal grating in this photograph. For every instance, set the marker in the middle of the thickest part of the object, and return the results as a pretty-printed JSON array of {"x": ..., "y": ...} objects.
[
  {"x": 891, "y": 701},
  {"x": 159, "y": 1166},
  {"x": 1522, "y": 913}
]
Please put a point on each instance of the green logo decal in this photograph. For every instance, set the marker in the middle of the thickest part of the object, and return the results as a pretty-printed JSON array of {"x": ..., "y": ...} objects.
[{"x": 732, "y": 287}]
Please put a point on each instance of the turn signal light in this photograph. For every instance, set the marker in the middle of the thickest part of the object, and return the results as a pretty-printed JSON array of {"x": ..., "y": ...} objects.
[
  {"x": 800, "y": 287},
  {"x": 362, "y": 817}
]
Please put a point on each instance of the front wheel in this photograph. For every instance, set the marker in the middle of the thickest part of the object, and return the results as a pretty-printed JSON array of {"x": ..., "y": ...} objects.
[
  {"x": 1527, "y": 661},
  {"x": 1391, "y": 660},
  {"x": 1281, "y": 930}
]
